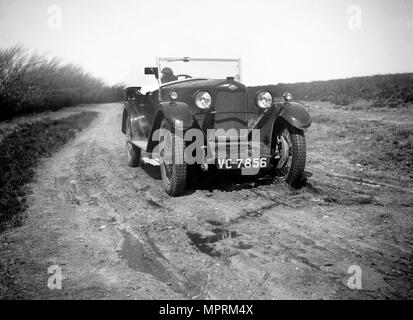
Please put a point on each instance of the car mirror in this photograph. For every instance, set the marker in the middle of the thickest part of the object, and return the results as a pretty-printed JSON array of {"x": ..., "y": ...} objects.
[{"x": 152, "y": 70}]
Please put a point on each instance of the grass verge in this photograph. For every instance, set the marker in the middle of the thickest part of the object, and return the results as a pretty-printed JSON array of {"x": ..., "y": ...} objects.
[
  {"x": 20, "y": 153},
  {"x": 378, "y": 145}
]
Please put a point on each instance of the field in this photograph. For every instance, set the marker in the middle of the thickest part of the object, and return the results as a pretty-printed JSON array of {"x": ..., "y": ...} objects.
[
  {"x": 375, "y": 144},
  {"x": 115, "y": 233}
]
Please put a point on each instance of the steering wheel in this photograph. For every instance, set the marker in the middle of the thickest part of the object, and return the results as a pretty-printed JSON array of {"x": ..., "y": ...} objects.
[{"x": 183, "y": 75}]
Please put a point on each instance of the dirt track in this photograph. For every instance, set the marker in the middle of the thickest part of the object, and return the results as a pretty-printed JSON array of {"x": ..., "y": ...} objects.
[{"x": 116, "y": 234}]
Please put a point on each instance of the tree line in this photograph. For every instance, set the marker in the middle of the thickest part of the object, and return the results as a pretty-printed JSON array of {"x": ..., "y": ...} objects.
[
  {"x": 33, "y": 83},
  {"x": 382, "y": 89}
]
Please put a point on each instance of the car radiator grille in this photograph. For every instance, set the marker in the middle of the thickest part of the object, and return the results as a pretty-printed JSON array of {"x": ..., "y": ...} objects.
[{"x": 230, "y": 111}]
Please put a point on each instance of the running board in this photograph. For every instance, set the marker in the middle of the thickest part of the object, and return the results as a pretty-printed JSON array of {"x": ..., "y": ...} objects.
[
  {"x": 140, "y": 144},
  {"x": 155, "y": 162}
]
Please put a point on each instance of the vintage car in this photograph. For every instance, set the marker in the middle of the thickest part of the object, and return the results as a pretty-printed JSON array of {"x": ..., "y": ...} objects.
[{"x": 206, "y": 95}]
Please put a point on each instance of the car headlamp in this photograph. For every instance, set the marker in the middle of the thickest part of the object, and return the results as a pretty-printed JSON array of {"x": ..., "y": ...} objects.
[
  {"x": 288, "y": 96},
  {"x": 203, "y": 100},
  {"x": 173, "y": 95},
  {"x": 264, "y": 99}
]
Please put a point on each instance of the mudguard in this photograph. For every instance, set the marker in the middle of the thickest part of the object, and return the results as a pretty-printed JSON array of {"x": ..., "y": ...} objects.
[
  {"x": 177, "y": 111},
  {"x": 295, "y": 114},
  {"x": 174, "y": 112},
  {"x": 131, "y": 109},
  {"x": 124, "y": 118},
  {"x": 139, "y": 125}
]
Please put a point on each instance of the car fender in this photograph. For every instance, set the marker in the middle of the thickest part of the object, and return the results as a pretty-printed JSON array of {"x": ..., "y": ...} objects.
[
  {"x": 294, "y": 113},
  {"x": 124, "y": 119},
  {"x": 140, "y": 127},
  {"x": 176, "y": 113},
  {"x": 131, "y": 109}
]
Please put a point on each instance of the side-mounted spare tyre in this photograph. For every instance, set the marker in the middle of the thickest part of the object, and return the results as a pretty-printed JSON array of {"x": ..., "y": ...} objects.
[
  {"x": 173, "y": 166},
  {"x": 291, "y": 147}
]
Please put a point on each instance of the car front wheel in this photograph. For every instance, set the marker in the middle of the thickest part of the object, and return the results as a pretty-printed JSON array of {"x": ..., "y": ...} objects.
[
  {"x": 291, "y": 151},
  {"x": 173, "y": 167}
]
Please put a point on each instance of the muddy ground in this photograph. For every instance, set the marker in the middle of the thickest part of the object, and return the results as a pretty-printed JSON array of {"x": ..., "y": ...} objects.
[{"x": 116, "y": 234}]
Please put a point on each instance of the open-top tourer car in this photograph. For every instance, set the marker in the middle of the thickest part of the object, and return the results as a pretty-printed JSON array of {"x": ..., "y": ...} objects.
[{"x": 201, "y": 114}]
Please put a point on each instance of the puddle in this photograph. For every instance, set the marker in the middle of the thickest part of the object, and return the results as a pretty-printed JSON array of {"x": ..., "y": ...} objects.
[
  {"x": 254, "y": 213},
  {"x": 154, "y": 203},
  {"x": 138, "y": 259},
  {"x": 348, "y": 198},
  {"x": 215, "y": 223},
  {"x": 243, "y": 246},
  {"x": 146, "y": 261},
  {"x": 205, "y": 243}
]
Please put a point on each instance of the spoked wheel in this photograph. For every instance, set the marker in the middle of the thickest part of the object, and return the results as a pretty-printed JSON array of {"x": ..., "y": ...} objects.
[
  {"x": 173, "y": 168},
  {"x": 133, "y": 153},
  {"x": 291, "y": 149}
]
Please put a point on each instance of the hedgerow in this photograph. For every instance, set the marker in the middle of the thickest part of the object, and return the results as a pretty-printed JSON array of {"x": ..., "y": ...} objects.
[{"x": 33, "y": 83}]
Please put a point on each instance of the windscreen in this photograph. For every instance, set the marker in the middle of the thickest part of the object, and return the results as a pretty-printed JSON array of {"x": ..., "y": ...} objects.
[{"x": 179, "y": 69}]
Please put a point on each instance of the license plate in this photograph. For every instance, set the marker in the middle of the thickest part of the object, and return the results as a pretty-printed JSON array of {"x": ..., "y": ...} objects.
[{"x": 242, "y": 163}]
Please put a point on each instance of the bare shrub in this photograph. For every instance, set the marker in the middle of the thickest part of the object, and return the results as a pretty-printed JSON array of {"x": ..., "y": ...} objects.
[{"x": 34, "y": 83}]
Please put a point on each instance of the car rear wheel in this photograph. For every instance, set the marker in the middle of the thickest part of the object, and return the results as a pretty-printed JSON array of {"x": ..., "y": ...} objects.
[
  {"x": 173, "y": 167},
  {"x": 291, "y": 149},
  {"x": 133, "y": 153}
]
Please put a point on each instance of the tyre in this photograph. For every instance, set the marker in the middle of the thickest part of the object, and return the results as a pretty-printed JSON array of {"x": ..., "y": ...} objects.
[
  {"x": 133, "y": 153},
  {"x": 291, "y": 149},
  {"x": 173, "y": 167}
]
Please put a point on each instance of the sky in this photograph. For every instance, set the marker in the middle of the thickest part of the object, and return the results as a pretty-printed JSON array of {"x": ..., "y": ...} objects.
[{"x": 277, "y": 40}]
